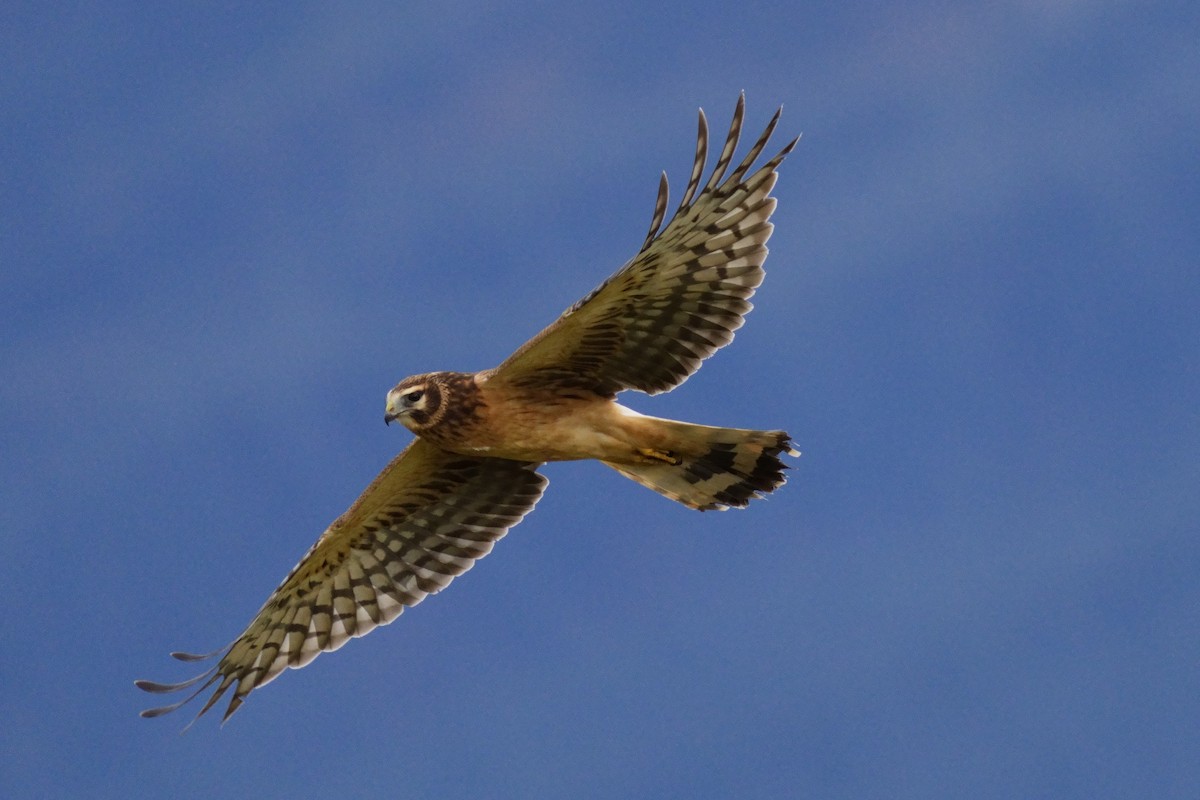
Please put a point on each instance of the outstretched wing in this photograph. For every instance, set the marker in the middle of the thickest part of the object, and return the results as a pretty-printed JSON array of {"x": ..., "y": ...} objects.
[
  {"x": 650, "y": 325},
  {"x": 424, "y": 520}
]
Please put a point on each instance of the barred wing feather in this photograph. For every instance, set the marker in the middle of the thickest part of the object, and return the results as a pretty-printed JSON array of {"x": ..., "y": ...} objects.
[
  {"x": 427, "y": 518},
  {"x": 680, "y": 299}
]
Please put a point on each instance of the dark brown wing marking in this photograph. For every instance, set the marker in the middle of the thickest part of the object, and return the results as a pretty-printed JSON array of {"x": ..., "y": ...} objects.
[
  {"x": 428, "y": 517},
  {"x": 650, "y": 325}
]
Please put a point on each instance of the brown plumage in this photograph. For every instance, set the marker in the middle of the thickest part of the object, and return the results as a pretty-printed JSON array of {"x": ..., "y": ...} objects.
[{"x": 470, "y": 474}]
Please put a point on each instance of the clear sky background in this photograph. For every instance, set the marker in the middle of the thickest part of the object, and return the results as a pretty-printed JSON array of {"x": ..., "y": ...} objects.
[{"x": 227, "y": 232}]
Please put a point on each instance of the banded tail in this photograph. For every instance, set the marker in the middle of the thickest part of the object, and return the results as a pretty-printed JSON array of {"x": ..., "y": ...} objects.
[{"x": 717, "y": 468}]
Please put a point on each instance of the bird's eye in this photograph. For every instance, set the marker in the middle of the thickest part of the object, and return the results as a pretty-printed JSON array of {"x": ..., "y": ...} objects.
[{"x": 413, "y": 397}]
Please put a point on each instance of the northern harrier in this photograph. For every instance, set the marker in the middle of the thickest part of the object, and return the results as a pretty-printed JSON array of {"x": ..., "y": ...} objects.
[{"x": 470, "y": 473}]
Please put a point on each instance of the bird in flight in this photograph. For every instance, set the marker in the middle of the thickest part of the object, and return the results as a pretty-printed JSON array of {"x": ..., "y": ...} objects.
[{"x": 470, "y": 473}]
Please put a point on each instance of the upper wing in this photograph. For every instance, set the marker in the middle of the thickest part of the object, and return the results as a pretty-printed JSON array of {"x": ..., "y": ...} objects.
[
  {"x": 650, "y": 325},
  {"x": 425, "y": 519}
]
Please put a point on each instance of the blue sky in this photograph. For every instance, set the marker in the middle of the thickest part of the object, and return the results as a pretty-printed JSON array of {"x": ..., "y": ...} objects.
[{"x": 227, "y": 232}]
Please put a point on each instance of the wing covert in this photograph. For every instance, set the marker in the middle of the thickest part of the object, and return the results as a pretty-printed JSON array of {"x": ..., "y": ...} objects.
[
  {"x": 680, "y": 299},
  {"x": 425, "y": 519}
]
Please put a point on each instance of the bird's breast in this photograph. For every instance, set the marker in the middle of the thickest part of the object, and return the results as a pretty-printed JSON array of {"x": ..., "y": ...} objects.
[{"x": 541, "y": 427}]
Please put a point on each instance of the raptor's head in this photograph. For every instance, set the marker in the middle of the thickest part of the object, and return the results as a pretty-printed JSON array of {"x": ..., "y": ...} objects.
[{"x": 416, "y": 402}]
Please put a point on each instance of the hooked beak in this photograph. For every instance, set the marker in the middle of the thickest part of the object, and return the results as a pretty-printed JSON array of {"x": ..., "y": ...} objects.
[{"x": 388, "y": 417}]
